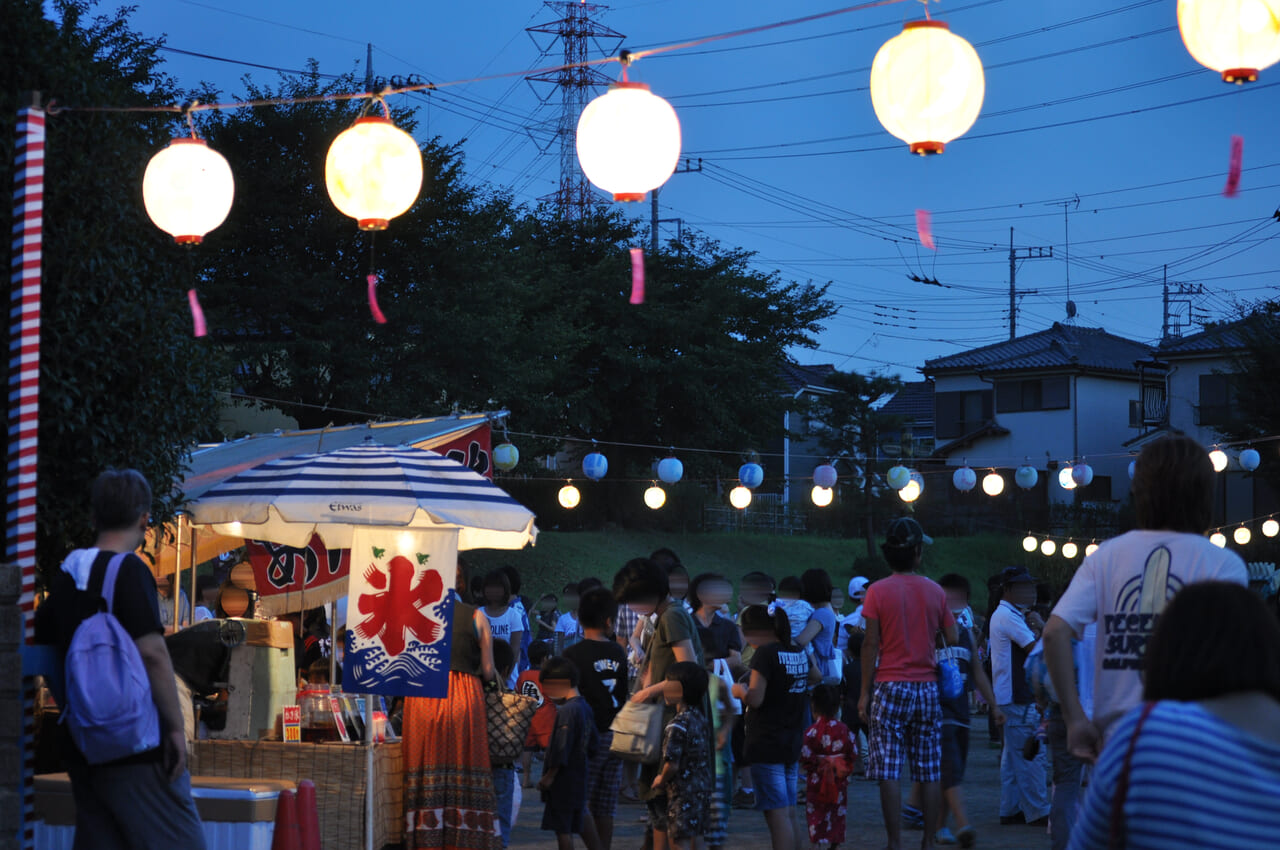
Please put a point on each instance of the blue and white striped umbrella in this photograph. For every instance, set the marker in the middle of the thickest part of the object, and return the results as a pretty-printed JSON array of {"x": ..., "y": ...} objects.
[{"x": 330, "y": 493}]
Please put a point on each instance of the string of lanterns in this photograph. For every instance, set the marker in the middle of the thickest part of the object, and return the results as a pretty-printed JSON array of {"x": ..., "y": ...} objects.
[{"x": 1241, "y": 534}]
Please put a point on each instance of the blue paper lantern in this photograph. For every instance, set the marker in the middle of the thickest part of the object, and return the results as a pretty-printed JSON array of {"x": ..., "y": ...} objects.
[
  {"x": 1082, "y": 474},
  {"x": 751, "y": 475},
  {"x": 505, "y": 457},
  {"x": 1250, "y": 460},
  {"x": 825, "y": 476},
  {"x": 1026, "y": 477},
  {"x": 670, "y": 470},
  {"x": 595, "y": 466}
]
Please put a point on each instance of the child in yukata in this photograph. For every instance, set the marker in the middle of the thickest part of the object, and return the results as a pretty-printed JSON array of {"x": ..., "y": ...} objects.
[{"x": 686, "y": 777}]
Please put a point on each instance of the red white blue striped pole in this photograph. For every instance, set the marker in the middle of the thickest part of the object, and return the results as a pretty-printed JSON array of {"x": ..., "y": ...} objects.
[{"x": 24, "y": 398}]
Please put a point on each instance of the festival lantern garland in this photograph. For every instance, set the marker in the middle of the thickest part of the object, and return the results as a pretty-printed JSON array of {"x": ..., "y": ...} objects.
[
  {"x": 1236, "y": 38},
  {"x": 993, "y": 483}
]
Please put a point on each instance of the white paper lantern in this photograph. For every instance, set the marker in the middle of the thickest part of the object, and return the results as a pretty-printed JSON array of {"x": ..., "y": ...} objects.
[
  {"x": 927, "y": 86},
  {"x": 595, "y": 466},
  {"x": 1026, "y": 477},
  {"x": 1065, "y": 479},
  {"x": 1236, "y": 38},
  {"x": 740, "y": 497},
  {"x": 964, "y": 479},
  {"x": 505, "y": 457},
  {"x": 1090, "y": 549},
  {"x": 1271, "y": 528},
  {"x": 821, "y": 496},
  {"x": 751, "y": 475},
  {"x": 898, "y": 476},
  {"x": 187, "y": 190},
  {"x": 1218, "y": 539},
  {"x": 670, "y": 470},
  {"x": 914, "y": 488},
  {"x": 655, "y": 497},
  {"x": 825, "y": 476},
  {"x": 1242, "y": 535},
  {"x": 1070, "y": 550},
  {"x": 1082, "y": 474},
  {"x": 628, "y": 141},
  {"x": 569, "y": 497},
  {"x": 1219, "y": 460},
  {"x": 373, "y": 172},
  {"x": 1029, "y": 543},
  {"x": 993, "y": 483},
  {"x": 1048, "y": 547},
  {"x": 1250, "y": 460}
]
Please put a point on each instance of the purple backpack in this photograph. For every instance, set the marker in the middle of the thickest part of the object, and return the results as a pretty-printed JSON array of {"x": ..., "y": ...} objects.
[{"x": 108, "y": 708}]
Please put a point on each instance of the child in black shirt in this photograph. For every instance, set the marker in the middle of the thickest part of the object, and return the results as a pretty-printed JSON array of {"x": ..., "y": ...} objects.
[{"x": 574, "y": 742}]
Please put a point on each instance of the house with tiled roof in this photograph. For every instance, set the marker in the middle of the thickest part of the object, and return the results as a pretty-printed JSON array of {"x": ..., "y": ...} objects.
[
  {"x": 913, "y": 406},
  {"x": 1047, "y": 399}
]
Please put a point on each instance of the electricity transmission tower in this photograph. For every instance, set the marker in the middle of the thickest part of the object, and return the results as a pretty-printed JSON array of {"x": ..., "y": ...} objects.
[{"x": 575, "y": 32}]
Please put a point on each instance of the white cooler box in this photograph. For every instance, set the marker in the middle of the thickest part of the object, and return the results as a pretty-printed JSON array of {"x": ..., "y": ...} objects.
[{"x": 238, "y": 814}]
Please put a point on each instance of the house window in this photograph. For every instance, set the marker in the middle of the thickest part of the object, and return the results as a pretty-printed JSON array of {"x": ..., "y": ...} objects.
[
  {"x": 960, "y": 413},
  {"x": 1099, "y": 490},
  {"x": 1219, "y": 400},
  {"x": 1033, "y": 394}
]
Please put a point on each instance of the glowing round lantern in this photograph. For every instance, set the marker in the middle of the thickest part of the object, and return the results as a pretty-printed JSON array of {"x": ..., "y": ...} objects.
[
  {"x": 1219, "y": 460},
  {"x": 1070, "y": 550},
  {"x": 595, "y": 466},
  {"x": 569, "y": 497},
  {"x": 670, "y": 470},
  {"x": 505, "y": 457},
  {"x": 1026, "y": 477},
  {"x": 1218, "y": 539},
  {"x": 1030, "y": 544},
  {"x": 1090, "y": 549},
  {"x": 1250, "y": 460},
  {"x": 655, "y": 497},
  {"x": 242, "y": 576},
  {"x": 1271, "y": 528},
  {"x": 1242, "y": 536},
  {"x": 914, "y": 488},
  {"x": 993, "y": 483},
  {"x": 234, "y": 600},
  {"x": 964, "y": 479},
  {"x": 751, "y": 475},
  {"x": 927, "y": 86},
  {"x": 898, "y": 477},
  {"x": 821, "y": 496},
  {"x": 187, "y": 190},
  {"x": 740, "y": 497},
  {"x": 1066, "y": 480},
  {"x": 1236, "y": 38},
  {"x": 628, "y": 141},
  {"x": 825, "y": 476},
  {"x": 1082, "y": 474},
  {"x": 1048, "y": 547},
  {"x": 373, "y": 172}
]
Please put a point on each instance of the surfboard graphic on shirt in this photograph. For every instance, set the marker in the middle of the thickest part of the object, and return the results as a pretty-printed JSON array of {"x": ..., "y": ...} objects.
[{"x": 1139, "y": 604}]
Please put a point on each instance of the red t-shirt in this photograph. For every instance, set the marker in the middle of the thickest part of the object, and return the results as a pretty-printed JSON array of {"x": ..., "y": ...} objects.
[
  {"x": 910, "y": 609},
  {"x": 544, "y": 719}
]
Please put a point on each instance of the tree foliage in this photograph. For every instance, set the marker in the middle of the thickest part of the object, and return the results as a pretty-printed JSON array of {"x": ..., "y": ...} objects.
[{"x": 122, "y": 380}]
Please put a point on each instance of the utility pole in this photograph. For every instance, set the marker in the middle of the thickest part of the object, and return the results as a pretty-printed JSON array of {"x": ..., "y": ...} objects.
[
  {"x": 576, "y": 30},
  {"x": 368, "y": 67},
  {"x": 1181, "y": 293},
  {"x": 1015, "y": 254},
  {"x": 687, "y": 168}
]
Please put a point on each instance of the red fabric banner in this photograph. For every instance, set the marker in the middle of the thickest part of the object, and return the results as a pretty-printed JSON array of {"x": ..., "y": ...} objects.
[
  {"x": 289, "y": 578},
  {"x": 474, "y": 448}
]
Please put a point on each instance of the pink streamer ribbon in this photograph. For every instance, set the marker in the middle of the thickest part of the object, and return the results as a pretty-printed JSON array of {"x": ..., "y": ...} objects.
[
  {"x": 197, "y": 314},
  {"x": 373, "y": 300},
  {"x": 1233, "y": 171},
  {"x": 924, "y": 228},
  {"x": 637, "y": 275}
]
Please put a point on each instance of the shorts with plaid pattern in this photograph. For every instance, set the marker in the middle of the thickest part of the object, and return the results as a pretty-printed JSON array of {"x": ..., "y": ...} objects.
[
  {"x": 906, "y": 723},
  {"x": 604, "y": 779}
]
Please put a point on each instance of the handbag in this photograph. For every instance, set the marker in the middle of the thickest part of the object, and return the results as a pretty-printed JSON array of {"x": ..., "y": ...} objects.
[
  {"x": 637, "y": 732},
  {"x": 950, "y": 682},
  {"x": 509, "y": 716}
]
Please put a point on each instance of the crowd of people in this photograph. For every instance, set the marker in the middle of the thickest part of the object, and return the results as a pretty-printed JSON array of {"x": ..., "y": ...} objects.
[{"x": 773, "y": 697}]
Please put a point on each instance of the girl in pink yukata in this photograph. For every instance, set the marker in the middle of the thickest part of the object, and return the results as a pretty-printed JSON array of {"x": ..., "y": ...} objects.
[{"x": 827, "y": 756}]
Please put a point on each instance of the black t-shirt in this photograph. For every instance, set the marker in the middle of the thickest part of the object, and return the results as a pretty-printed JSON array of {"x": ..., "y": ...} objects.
[
  {"x": 719, "y": 638},
  {"x": 136, "y": 605},
  {"x": 775, "y": 729},
  {"x": 955, "y": 711},
  {"x": 602, "y": 672}
]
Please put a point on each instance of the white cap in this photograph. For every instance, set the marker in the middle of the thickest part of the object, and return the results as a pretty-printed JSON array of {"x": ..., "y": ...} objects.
[{"x": 858, "y": 586}]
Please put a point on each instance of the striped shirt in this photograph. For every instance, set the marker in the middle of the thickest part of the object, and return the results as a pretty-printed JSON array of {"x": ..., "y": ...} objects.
[{"x": 1195, "y": 782}]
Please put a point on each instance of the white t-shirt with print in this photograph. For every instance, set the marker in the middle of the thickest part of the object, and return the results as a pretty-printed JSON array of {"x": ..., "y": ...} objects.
[
  {"x": 1124, "y": 587},
  {"x": 1008, "y": 628}
]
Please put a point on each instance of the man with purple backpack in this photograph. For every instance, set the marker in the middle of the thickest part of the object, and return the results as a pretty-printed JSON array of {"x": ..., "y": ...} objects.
[{"x": 122, "y": 736}]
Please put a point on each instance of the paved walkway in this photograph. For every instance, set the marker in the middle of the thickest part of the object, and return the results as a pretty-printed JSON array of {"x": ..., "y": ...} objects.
[{"x": 865, "y": 828}]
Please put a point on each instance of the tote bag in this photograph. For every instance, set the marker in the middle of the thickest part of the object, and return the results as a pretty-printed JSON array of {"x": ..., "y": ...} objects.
[
  {"x": 637, "y": 732},
  {"x": 509, "y": 716}
]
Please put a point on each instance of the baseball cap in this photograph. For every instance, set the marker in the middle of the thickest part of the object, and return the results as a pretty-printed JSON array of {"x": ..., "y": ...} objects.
[
  {"x": 1016, "y": 575},
  {"x": 857, "y": 586},
  {"x": 905, "y": 533}
]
